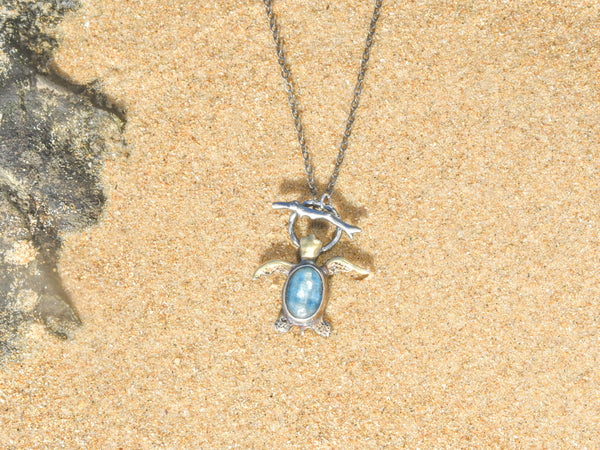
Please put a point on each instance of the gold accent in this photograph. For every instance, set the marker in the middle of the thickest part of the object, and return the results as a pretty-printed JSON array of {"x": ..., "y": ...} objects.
[
  {"x": 310, "y": 247},
  {"x": 270, "y": 267},
  {"x": 339, "y": 264}
]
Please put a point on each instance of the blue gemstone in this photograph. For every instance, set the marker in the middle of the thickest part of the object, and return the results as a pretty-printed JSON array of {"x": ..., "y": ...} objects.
[{"x": 304, "y": 292}]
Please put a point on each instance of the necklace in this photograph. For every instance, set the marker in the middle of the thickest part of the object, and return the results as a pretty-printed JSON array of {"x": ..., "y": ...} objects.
[{"x": 305, "y": 293}]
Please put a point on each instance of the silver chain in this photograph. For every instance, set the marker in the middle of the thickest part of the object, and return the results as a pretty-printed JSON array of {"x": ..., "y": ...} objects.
[{"x": 289, "y": 88}]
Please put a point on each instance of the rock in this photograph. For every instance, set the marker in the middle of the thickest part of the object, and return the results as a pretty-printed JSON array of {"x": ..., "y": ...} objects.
[{"x": 53, "y": 138}]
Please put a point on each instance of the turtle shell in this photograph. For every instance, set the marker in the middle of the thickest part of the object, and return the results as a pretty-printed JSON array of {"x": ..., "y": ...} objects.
[{"x": 305, "y": 293}]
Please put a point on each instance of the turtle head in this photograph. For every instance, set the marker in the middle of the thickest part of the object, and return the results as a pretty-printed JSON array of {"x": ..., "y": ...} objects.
[{"x": 310, "y": 247}]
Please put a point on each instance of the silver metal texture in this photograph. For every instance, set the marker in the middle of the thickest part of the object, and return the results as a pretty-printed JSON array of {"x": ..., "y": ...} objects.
[
  {"x": 333, "y": 213},
  {"x": 285, "y": 73},
  {"x": 317, "y": 211}
]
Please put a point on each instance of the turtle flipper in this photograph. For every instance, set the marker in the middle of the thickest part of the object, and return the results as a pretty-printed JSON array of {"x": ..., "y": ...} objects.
[
  {"x": 339, "y": 264},
  {"x": 270, "y": 267},
  {"x": 282, "y": 324},
  {"x": 322, "y": 328}
]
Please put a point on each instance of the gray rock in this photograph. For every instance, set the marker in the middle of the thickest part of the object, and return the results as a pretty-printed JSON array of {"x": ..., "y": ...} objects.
[{"x": 53, "y": 137}]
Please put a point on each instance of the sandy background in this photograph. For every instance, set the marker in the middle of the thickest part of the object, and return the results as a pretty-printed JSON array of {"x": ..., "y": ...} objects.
[{"x": 473, "y": 171}]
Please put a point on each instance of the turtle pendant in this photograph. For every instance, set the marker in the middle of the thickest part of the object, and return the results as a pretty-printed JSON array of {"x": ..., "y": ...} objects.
[{"x": 305, "y": 293}]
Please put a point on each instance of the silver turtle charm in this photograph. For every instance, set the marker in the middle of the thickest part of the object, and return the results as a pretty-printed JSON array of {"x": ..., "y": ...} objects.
[{"x": 305, "y": 293}]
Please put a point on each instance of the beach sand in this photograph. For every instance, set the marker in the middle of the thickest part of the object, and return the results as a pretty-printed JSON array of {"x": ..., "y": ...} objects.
[{"x": 473, "y": 171}]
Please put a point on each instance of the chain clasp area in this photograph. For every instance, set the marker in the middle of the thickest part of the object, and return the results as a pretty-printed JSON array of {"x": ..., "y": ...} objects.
[
  {"x": 316, "y": 210},
  {"x": 325, "y": 210}
]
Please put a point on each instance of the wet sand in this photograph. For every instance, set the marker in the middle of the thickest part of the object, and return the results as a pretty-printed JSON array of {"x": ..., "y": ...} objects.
[{"x": 472, "y": 170}]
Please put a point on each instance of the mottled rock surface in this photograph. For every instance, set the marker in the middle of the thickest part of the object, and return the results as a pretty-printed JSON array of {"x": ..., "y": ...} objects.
[{"x": 53, "y": 136}]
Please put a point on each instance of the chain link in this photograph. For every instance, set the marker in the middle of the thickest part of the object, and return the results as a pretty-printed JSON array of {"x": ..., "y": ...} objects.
[{"x": 289, "y": 88}]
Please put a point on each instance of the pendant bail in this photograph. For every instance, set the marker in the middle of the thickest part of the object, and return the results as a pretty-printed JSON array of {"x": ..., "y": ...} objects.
[{"x": 325, "y": 200}]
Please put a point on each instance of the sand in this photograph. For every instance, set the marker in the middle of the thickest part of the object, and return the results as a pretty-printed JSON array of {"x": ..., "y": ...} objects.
[{"x": 472, "y": 170}]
